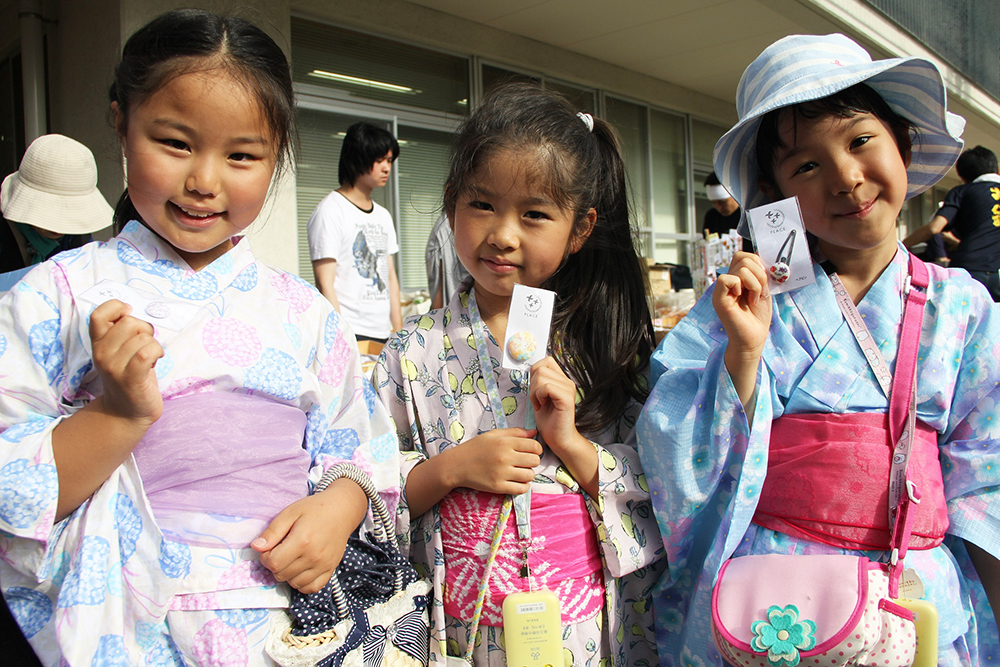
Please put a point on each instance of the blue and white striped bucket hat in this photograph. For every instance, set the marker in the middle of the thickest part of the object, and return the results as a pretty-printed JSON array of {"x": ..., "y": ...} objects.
[{"x": 801, "y": 68}]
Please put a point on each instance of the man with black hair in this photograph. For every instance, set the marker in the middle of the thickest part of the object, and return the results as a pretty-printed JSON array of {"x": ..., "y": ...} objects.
[
  {"x": 352, "y": 239},
  {"x": 725, "y": 212},
  {"x": 972, "y": 213}
]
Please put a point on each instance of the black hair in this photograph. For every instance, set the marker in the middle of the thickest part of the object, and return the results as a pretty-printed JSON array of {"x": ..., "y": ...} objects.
[
  {"x": 975, "y": 162},
  {"x": 712, "y": 179},
  {"x": 602, "y": 333},
  {"x": 846, "y": 103},
  {"x": 363, "y": 145},
  {"x": 188, "y": 40}
]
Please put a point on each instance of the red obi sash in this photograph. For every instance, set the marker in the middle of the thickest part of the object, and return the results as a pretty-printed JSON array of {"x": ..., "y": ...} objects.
[
  {"x": 827, "y": 481},
  {"x": 563, "y": 553}
]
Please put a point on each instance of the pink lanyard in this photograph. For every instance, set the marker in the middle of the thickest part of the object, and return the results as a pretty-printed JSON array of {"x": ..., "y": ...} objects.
[{"x": 902, "y": 392}]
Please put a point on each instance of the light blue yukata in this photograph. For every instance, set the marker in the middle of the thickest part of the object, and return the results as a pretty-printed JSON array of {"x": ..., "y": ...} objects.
[
  {"x": 106, "y": 585},
  {"x": 705, "y": 466}
]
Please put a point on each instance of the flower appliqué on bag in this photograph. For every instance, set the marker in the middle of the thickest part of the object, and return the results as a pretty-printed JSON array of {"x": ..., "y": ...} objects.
[{"x": 783, "y": 635}]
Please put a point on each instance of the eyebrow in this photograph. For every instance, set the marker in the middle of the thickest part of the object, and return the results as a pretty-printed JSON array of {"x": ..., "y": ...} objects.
[
  {"x": 181, "y": 127},
  {"x": 477, "y": 190},
  {"x": 851, "y": 122}
]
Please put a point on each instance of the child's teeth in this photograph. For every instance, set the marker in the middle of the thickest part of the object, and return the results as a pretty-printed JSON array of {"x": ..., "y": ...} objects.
[{"x": 195, "y": 214}]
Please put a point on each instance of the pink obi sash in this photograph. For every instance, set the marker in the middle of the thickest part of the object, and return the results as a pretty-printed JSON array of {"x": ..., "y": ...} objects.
[
  {"x": 218, "y": 467},
  {"x": 564, "y": 555},
  {"x": 827, "y": 478}
]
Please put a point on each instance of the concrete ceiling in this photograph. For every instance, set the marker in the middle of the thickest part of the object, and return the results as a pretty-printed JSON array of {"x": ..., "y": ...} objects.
[{"x": 702, "y": 45}]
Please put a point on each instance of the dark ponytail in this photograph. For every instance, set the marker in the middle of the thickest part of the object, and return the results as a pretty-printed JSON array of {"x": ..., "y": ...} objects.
[{"x": 602, "y": 333}]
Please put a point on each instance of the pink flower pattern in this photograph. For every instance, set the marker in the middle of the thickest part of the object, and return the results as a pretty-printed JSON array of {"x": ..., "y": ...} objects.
[
  {"x": 231, "y": 342},
  {"x": 295, "y": 292},
  {"x": 218, "y": 645}
]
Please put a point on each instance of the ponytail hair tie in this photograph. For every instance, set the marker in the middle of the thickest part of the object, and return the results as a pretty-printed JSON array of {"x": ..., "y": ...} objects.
[{"x": 587, "y": 119}]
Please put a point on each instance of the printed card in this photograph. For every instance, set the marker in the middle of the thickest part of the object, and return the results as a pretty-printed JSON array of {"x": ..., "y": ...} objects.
[
  {"x": 780, "y": 238},
  {"x": 528, "y": 323},
  {"x": 162, "y": 311}
]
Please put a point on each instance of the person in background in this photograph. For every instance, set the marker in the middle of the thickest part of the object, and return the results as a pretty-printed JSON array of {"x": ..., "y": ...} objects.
[
  {"x": 51, "y": 203},
  {"x": 725, "y": 212},
  {"x": 352, "y": 239},
  {"x": 971, "y": 212},
  {"x": 444, "y": 270}
]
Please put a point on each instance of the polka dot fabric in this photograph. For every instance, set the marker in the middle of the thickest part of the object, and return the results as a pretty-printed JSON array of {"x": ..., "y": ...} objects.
[{"x": 882, "y": 638}]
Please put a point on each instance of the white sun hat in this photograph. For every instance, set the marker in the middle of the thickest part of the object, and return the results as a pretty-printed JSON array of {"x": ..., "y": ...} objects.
[
  {"x": 802, "y": 68},
  {"x": 56, "y": 188}
]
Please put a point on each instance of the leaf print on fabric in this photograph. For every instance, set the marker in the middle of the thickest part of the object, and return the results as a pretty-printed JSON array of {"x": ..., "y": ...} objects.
[
  {"x": 219, "y": 645},
  {"x": 26, "y": 491},
  {"x": 294, "y": 335},
  {"x": 276, "y": 373},
  {"x": 31, "y": 609},
  {"x": 231, "y": 341},
  {"x": 247, "y": 279},
  {"x": 84, "y": 584},
  {"x": 175, "y": 559},
  {"x": 128, "y": 523},
  {"x": 46, "y": 348},
  {"x": 111, "y": 652}
]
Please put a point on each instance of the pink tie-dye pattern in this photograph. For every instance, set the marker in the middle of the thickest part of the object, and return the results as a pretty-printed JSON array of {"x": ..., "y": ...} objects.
[
  {"x": 298, "y": 295},
  {"x": 218, "y": 645},
  {"x": 231, "y": 341}
]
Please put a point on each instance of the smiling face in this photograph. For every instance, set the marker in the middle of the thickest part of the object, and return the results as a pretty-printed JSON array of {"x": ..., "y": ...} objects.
[
  {"x": 509, "y": 230},
  {"x": 850, "y": 179},
  {"x": 200, "y": 161}
]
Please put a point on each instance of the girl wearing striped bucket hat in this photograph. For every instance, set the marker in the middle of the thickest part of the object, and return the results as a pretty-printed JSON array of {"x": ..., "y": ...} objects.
[{"x": 769, "y": 430}]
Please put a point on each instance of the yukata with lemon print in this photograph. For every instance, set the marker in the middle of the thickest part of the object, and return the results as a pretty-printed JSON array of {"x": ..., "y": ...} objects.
[
  {"x": 428, "y": 376},
  {"x": 234, "y": 331}
]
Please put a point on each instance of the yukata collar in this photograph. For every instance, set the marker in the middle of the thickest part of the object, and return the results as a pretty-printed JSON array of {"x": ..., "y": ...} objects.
[{"x": 156, "y": 251}]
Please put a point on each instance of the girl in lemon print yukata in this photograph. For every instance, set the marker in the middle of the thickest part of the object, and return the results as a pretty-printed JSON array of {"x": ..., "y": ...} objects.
[
  {"x": 167, "y": 400},
  {"x": 536, "y": 196}
]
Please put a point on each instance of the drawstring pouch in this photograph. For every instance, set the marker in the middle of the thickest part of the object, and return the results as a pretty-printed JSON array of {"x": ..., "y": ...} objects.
[{"x": 372, "y": 613}]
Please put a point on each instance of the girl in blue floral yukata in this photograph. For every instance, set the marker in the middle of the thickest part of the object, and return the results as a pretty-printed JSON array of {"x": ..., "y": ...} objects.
[
  {"x": 852, "y": 139},
  {"x": 167, "y": 400},
  {"x": 536, "y": 196}
]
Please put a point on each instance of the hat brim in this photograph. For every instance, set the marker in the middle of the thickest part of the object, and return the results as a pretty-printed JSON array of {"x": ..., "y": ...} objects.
[
  {"x": 912, "y": 87},
  {"x": 61, "y": 214}
]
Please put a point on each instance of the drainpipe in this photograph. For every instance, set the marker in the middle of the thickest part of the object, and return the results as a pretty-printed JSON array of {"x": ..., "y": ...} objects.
[{"x": 32, "y": 69}]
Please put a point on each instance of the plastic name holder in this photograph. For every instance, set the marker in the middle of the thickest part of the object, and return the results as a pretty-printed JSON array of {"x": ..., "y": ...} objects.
[{"x": 532, "y": 629}]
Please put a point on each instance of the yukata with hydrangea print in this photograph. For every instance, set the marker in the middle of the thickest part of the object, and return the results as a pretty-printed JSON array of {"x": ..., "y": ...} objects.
[
  {"x": 706, "y": 465},
  {"x": 263, "y": 391},
  {"x": 429, "y": 378}
]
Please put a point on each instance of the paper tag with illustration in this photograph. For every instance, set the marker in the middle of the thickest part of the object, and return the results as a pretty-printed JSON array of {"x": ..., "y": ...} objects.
[
  {"x": 528, "y": 323},
  {"x": 162, "y": 311},
  {"x": 780, "y": 239}
]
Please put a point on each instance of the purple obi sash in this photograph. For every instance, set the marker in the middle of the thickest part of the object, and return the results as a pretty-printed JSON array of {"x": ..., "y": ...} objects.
[
  {"x": 217, "y": 467},
  {"x": 827, "y": 481}
]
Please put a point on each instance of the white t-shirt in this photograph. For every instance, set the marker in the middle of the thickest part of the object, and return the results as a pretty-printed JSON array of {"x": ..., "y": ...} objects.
[{"x": 361, "y": 243}]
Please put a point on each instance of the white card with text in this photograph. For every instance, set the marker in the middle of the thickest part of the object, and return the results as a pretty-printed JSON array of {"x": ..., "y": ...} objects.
[
  {"x": 780, "y": 238},
  {"x": 528, "y": 323}
]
